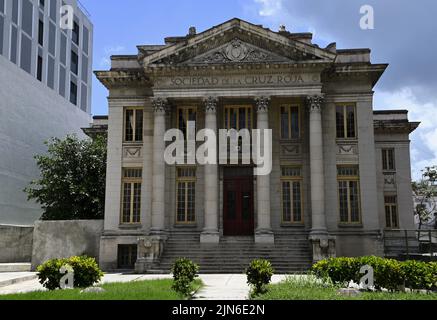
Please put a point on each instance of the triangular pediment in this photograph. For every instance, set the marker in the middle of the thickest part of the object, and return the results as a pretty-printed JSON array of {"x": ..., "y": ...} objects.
[{"x": 237, "y": 42}]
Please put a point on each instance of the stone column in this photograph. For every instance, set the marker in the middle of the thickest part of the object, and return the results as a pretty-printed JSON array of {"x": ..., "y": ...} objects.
[
  {"x": 158, "y": 179},
  {"x": 210, "y": 232},
  {"x": 319, "y": 234},
  {"x": 263, "y": 233}
]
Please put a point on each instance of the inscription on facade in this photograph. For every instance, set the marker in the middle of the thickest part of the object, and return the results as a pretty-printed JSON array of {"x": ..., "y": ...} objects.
[{"x": 238, "y": 80}]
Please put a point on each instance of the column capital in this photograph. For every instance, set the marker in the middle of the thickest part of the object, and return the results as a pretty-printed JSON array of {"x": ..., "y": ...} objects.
[
  {"x": 211, "y": 104},
  {"x": 315, "y": 103},
  {"x": 159, "y": 105},
  {"x": 262, "y": 104}
]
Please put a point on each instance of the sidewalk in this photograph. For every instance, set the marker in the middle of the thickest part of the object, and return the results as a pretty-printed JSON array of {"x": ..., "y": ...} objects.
[{"x": 227, "y": 287}]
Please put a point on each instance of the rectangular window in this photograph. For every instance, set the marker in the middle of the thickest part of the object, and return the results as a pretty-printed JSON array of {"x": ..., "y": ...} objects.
[
  {"x": 186, "y": 195},
  {"x": 74, "y": 63},
  {"x": 51, "y": 72},
  {"x": 186, "y": 114},
  {"x": 75, "y": 33},
  {"x": 42, "y": 3},
  {"x": 2, "y": 23},
  {"x": 388, "y": 160},
  {"x": 133, "y": 128},
  {"x": 131, "y": 204},
  {"x": 292, "y": 204},
  {"x": 349, "y": 194},
  {"x": 85, "y": 40},
  {"x": 62, "y": 79},
  {"x": 346, "y": 121},
  {"x": 41, "y": 33},
  {"x": 2, "y": 6},
  {"x": 15, "y": 11},
  {"x": 84, "y": 68},
  {"x": 83, "y": 97},
  {"x": 238, "y": 117},
  {"x": 391, "y": 212},
  {"x": 14, "y": 44},
  {"x": 52, "y": 38},
  {"x": 53, "y": 9},
  {"x": 127, "y": 256},
  {"x": 26, "y": 53},
  {"x": 39, "y": 69},
  {"x": 73, "y": 93},
  {"x": 63, "y": 53},
  {"x": 27, "y": 17},
  {"x": 290, "y": 122}
]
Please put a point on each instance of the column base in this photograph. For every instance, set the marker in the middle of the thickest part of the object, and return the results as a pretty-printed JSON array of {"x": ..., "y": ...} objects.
[
  {"x": 210, "y": 237},
  {"x": 264, "y": 237}
]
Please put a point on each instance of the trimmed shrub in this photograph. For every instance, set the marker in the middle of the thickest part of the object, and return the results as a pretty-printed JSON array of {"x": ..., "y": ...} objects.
[
  {"x": 184, "y": 273},
  {"x": 86, "y": 272},
  {"x": 259, "y": 274},
  {"x": 388, "y": 273},
  {"x": 420, "y": 275}
]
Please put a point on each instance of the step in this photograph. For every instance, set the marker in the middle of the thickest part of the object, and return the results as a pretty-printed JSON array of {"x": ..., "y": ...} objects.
[{"x": 15, "y": 267}]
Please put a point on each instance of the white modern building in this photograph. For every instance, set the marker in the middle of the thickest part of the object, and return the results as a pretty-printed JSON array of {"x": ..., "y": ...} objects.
[{"x": 45, "y": 91}]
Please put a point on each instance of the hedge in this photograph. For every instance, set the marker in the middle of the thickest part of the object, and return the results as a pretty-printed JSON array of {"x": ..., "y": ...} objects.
[{"x": 388, "y": 273}]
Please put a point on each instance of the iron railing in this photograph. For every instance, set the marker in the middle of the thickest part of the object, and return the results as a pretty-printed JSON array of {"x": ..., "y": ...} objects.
[{"x": 412, "y": 242}]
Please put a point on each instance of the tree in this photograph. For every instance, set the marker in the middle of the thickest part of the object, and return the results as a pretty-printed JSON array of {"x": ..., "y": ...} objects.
[
  {"x": 72, "y": 180},
  {"x": 425, "y": 192}
]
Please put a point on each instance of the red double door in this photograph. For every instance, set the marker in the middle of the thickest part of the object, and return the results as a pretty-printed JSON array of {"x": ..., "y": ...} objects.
[{"x": 238, "y": 206}]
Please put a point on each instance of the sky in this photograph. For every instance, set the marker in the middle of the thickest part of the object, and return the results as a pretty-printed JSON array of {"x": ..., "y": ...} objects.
[{"x": 404, "y": 35}]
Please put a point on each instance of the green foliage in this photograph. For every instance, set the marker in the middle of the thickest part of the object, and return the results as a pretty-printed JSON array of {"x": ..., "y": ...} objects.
[
  {"x": 72, "y": 179},
  {"x": 184, "y": 273},
  {"x": 388, "y": 273},
  {"x": 425, "y": 192},
  {"x": 421, "y": 275},
  {"x": 259, "y": 274},
  {"x": 86, "y": 272}
]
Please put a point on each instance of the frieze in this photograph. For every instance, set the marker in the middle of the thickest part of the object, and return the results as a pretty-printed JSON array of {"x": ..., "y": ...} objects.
[{"x": 251, "y": 80}]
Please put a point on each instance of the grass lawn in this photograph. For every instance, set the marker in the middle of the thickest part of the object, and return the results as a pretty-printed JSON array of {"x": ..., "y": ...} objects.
[
  {"x": 308, "y": 288},
  {"x": 138, "y": 290}
]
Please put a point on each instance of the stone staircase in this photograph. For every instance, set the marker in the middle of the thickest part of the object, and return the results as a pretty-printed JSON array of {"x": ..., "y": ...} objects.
[{"x": 289, "y": 254}]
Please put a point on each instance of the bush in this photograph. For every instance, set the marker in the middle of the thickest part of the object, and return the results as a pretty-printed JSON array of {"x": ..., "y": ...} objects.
[
  {"x": 184, "y": 273},
  {"x": 86, "y": 272},
  {"x": 420, "y": 275},
  {"x": 259, "y": 274},
  {"x": 388, "y": 274}
]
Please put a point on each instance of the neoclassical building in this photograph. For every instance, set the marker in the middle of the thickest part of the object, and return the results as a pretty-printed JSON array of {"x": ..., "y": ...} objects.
[{"x": 340, "y": 170}]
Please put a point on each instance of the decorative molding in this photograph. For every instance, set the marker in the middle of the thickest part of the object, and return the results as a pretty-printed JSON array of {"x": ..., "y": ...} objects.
[
  {"x": 211, "y": 104},
  {"x": 390, "y": 180},
  {"x": 262, "y": 104},
  {"x": 237, "y": 51},
  {"x": 290, "y": 150},
  {"x": 160, "y": 105},
  {"x": 132, "y": 152},
  {"x": 315, "y": 103},
  {"x": 347, "y": 149}
]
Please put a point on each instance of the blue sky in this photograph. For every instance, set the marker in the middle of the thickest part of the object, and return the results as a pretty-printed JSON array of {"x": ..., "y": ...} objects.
[{"x": 405, "y": 36}]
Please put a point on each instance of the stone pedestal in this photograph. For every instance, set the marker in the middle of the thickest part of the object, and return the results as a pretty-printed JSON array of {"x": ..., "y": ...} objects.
[
  {"x": 150, "y": 250},
  {"x": 210, "y": 232},
  {"x": 323, "y": 247}
]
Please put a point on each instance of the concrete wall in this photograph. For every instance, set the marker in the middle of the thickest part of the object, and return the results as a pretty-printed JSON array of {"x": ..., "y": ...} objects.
[
  {"x": 15, "y": 244},
  {"x": 30, "y": 113},
  {"x": 63, "y": 239}
]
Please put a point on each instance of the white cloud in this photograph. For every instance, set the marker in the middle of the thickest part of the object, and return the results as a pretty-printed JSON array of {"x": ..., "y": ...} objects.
[
  {"x": 105, "y": 61},
  {"x": 269, "y": 7}
]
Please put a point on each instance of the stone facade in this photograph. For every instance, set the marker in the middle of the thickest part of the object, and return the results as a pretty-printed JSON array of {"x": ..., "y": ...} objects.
[{"x": 261, "y": 75}]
